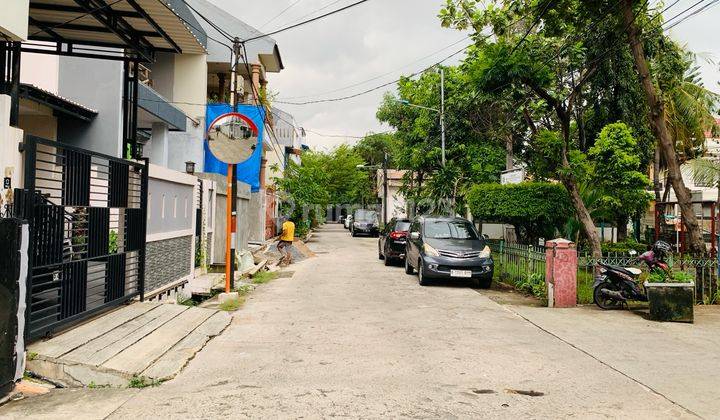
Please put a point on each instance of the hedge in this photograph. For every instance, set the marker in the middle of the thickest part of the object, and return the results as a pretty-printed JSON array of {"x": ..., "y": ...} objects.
[{"x": 539, "y": 208}]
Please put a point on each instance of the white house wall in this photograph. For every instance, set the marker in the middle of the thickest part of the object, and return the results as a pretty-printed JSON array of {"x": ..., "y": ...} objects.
[
  {"x": 170, "y": 252},
  {"x": 41, "y": 70},
  {"x": 97, "y": 84},
  {"x": 14, "y": 19}
]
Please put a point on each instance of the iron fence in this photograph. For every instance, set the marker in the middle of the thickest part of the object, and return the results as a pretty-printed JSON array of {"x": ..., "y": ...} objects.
[
  {"x": 515, "y": 263},
  {"x": 704, "y": 269},
  {"x": 87, "y": 216}
]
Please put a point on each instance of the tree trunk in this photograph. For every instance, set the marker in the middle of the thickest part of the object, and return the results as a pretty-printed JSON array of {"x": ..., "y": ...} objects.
[
  {"x": 656, "y": 173},
  {"x": 583, "y": 214},
  {"x": 657, "y": 122},
  {"x": 622, "y": 230},
  {"x": 584, "y": 217},
  {"x": 509, "y": 164}
]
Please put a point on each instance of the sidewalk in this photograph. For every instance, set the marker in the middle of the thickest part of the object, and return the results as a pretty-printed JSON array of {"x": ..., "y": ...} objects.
[{"x": 675, "y": 360}]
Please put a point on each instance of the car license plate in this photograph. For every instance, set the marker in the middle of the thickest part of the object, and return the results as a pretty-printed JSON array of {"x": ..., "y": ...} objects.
[{"x": 460, "y": 273}]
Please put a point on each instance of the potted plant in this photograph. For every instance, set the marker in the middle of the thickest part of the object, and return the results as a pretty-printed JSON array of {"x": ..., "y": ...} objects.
[{"x": 671, "y": 296}]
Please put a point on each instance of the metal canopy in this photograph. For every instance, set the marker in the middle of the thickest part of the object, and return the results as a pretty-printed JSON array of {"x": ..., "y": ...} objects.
[
  {"x": 56, "y": 102},
  {"x": 141, "y": 27}
]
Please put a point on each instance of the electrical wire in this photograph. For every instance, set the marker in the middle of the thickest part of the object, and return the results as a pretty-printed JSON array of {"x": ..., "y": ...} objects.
[
  {"x": 299, "y": 19},
  {"x": 365, "y": 92},
  {"x": 279, "y": 14},
  {"x": 287, "y": 28},
  {"x": 382, "y": 75},
  {"x": 695, "y": 13},
  {"x": 343, "y": 98}
]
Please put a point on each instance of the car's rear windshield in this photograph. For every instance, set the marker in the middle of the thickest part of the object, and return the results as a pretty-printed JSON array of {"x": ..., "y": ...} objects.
[
  {"x": 365, "y": 216},
  {"x": 401, "y": 226},
  {"x": 443, "y": 229}
]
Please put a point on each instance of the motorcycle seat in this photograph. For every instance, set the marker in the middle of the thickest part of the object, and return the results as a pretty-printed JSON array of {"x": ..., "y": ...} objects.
[{"x": 630, "y": 271}]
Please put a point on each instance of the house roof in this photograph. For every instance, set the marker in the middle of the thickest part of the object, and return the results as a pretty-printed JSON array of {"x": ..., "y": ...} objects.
[
  {"x": 265, "y": 49},
  {"x": 145, "y": 26},
  {"x": 56, "y": 102}
]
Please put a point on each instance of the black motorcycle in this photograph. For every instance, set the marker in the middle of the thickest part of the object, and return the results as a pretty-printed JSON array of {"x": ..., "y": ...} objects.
[{"x": 616, "y": 285}]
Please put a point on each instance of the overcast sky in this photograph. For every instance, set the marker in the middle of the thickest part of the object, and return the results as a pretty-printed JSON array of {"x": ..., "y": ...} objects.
[{"x": 380, "y": 37}]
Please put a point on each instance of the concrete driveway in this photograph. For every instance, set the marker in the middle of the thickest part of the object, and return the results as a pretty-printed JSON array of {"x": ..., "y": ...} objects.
[{"x": 348, "y": 337}]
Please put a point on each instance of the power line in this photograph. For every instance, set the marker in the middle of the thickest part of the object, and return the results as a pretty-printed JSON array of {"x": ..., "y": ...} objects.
[
  {"x": 535, "y": 23},
  {"x": 279, "y": 14},
  {"x": 365, "y": 92},
  {"x": 345, "y": 136},
  {"x": 382, "y": 75},
  {"x": 702, "y": 9},
  {"x": 399, "y": 79},
  {"x": 196, "y": 28},
  {"x": 287, "y": 28},
  {"x": 689, "y": 8},
  {"x": 299, "y": 19}
]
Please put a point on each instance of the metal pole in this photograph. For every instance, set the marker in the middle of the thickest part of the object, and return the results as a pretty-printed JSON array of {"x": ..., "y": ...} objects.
[
  {"x": 442, "y": 113},
  {"x": 232, "y": 181},
  {"x": 385, "y": 188}
]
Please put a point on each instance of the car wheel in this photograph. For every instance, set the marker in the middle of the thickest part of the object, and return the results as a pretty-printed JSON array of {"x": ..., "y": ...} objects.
[
  {"x": 483, "y": 283},
  {"x": 387, "y": 261},
  {"x": 422, "y": 281},
  {"x": 408, "y": 267}
]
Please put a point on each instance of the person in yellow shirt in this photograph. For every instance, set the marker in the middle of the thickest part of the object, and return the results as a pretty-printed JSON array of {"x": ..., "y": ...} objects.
[{"x": 285, "y": 241}]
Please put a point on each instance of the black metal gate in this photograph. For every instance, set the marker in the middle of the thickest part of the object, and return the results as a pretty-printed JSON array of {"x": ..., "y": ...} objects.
[{"x": 87, "y": 214}]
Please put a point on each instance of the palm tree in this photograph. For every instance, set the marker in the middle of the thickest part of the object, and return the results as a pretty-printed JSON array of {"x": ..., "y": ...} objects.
[
  {"x": 689, "y": 110},
  {"x": 706, "y": 171}
]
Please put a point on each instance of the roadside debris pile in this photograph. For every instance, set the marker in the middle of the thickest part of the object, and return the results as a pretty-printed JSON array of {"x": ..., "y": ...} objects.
[{"x": 269, "y": 252}]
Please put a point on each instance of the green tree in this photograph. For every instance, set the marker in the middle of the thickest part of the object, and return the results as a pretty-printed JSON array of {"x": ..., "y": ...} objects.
[
  {"x": 616, "y": 171},
  {"x": 472, "y": 155},
  {"x": 322, "y": 180}
]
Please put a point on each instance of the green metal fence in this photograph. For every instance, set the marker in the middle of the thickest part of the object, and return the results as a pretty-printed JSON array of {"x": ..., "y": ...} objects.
[
  {"x": 515, "y": 263},
  {"x": 703, "y": 268}
]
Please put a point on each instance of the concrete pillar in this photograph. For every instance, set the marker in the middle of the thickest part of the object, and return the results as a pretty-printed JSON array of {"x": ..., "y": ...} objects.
[
  {"x": 561, "y": 273},
  {"x": 159, "y": 144},
  {"x": 263, "y": 169},
  {"x": 256, "y": 71}
]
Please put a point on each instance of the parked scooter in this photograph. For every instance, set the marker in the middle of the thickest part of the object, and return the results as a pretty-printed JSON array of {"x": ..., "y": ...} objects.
[{"x": 616, "y": 285}]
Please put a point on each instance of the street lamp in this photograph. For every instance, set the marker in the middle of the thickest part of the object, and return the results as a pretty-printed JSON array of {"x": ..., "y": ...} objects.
[
  {"x": 440, "y": 111},
  {"x": 385, "y": 182}
]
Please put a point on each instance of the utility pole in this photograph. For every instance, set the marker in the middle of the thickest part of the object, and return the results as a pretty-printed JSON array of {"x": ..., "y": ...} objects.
[
  {"x": 385, "y": 188},
  {"x": 231, "y": 202},
  {"x": 442, "y": 113}
]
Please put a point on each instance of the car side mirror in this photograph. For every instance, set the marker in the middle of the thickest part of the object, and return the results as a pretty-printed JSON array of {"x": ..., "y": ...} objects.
[{"x": 415, "y": 235}]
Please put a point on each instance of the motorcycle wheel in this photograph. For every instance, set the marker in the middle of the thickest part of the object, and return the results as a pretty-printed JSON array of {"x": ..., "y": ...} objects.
[{"x": 605, "y": 302}]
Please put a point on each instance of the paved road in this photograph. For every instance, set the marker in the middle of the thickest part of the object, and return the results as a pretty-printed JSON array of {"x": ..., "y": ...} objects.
[{"x": 348, "y": 337}]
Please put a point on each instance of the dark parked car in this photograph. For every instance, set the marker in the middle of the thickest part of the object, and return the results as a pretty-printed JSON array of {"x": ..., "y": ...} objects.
[
  {"x": 391, "y": 244},
  {"x": 447, "y": 248},
  {"x": 365, "y": 222}
]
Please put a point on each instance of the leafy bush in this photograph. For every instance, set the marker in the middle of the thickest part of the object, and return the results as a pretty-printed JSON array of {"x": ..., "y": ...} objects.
[
  {"x": 681, "y": 277},
  {"x": 113, "y": 242},
  {"x": 536, "y": 209},
  {"x": 625, "y": 246},
  {"x": 534, "y": 284}
]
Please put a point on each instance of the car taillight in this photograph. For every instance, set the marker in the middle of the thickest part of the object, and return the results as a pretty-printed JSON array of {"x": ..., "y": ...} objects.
[{"x": 398, "y": 235}]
